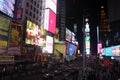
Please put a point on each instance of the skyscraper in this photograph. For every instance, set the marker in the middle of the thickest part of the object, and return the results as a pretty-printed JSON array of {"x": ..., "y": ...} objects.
[
  {"x": 104, "y": 27},
  {"x": 61, "y": 16}
]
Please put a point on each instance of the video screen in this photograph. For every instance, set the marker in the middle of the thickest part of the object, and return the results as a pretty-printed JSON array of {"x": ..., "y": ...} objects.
[
  {"x": 71, "y": 49},
  {"x": 50, "y": 21},
  {"x": 116, "y": 50},
  {"x": 35, "y": 35},
  {"x": 51, "y": 4},
  {"x": 99, "y": 48},
  {"x": 111, "y": 51},
  {"x": 7, "y": 7}
]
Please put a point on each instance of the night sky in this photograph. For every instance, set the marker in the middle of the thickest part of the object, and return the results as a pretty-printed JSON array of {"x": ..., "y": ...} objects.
[{"x": 74, "y": 14}]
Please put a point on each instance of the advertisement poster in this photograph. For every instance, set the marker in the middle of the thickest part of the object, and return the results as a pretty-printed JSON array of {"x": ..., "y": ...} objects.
[
  {"x": 50, "y": 21},
  {"x": 41, "y": 37},
  {"x": 49, "y": 45},
  {"x": 35, "y": 35},
  {"x": 4, "y": 29},
  {"x": 15, "y": 38},
  {"x": 72, "y": 49},
  {"x": 59, "y": 50},
  {"x": 31, "y": 33},
  {"x": 68, "y": 35},
  {"x": 99, "y": 48},
  {"x": 51, "y": 4},
  {"x": 7, "y": 7},
  {"x": 111, "y": 51}
]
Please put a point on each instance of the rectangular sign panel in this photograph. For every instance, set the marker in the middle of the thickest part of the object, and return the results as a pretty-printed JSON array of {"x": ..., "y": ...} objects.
[
  {"x": 50, "y": 21},
  {"x": 51, "y": 4}
]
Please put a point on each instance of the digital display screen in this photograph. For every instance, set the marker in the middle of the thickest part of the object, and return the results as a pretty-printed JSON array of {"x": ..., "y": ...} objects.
[
  {"x": 71, "y": 49},
  {"x": 111, "y": 51},
  {"x": 35, "y": 35},
  {"x": 116, "y": 50},
  {"x": 7, "y": 7},
  {"x": 51, "y": 4},
  {"x": 99, "y": 46},
  {"x": 50, "y": 21}
]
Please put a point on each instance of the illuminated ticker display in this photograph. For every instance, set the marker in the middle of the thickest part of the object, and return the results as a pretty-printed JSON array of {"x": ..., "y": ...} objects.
[{"x": 87, "y": 37}]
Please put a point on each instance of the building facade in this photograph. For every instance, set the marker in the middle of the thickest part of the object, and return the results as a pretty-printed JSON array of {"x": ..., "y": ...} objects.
[
  {"x": 61, "y": 16},
  {"x": 114, "y": 19},
  {"x": 30, "y": 10}
]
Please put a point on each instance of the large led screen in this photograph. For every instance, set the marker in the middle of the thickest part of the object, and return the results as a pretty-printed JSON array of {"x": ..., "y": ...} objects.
[
  {"x": 108, "y": 51},
  {"x": 31, "y": 33},
  {"x": 51, "y": 4},
  {"x": 59, "y": 50},
  {"x": 35, "y": 35},
  {"x": 49, "y": 45},
  {"x": 4, "y": 30},
  {"x": 71, "y": 49},
  {"x": 41, "y": 37},
  {"x": 7, "y": 7},
  {"x": 50, "y": 21},
  {"x": 116, "y": 50},
  {"x": 111, "y": 51}
]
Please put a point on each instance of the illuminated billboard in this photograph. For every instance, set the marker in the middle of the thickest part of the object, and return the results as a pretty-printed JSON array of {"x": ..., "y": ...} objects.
[
  {"x": 59, "y": 50},
  {"x": 51, "y": 4},
  {"x": 87, "y": 37},
  {"x": 111, "y": 51},
  {"x": 99, "y": 48},
  {"x": 4, "y": 30},
  {"x": 35, "y": 35},
  {"x": 68, "y": 35},
  {"x": 116, "y": 50},
  {"x": 71, "y": 49},
  {"x": 107, "y": 51},
  {"x": 49, "y": 45},
  {"x": 7, "y": 7},
  {"x": 50, "y": 21}
]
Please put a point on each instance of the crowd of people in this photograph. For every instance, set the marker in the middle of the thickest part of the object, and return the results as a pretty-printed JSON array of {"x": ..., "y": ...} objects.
[{"x": 103, "y": 69}]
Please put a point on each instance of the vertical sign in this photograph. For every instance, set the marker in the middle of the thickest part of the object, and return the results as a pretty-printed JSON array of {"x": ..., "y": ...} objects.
[{"x": 87, "y": 37}]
